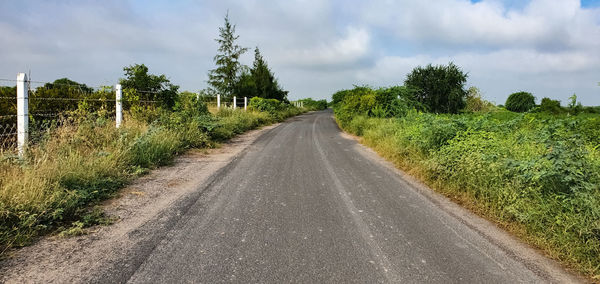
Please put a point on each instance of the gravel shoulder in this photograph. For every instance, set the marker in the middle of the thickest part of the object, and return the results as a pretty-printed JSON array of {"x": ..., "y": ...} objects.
[{"x": 145, "y": 210}]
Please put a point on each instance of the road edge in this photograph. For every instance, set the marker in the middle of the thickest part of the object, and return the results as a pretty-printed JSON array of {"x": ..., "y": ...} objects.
[{"x": 534, "y": 259}]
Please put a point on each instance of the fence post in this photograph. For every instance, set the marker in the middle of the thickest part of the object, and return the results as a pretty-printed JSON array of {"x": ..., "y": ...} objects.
[
  {"x": 22, "y": 113},
  {"x": 234, "y": 103},
  {"x": 119, "y": 107},
  {"x": 218, "y": 101},
  {"x": 245, "y": 103}
]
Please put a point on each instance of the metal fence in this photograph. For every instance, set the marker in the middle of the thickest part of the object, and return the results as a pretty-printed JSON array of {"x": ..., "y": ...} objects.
[{"x": 31, "y": 110}]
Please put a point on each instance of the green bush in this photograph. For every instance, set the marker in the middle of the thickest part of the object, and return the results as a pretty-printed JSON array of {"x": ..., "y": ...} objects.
[
  {"x": 266, "y": 105},
  {"x": 537, "y": 171},
  {"x": 550, "y": 106},
  {"x": 311, "y": 104},
  {"x": 440, "y": 88},
  {"x": 475, "y": 103},
  {"x": 520, "y": 102}
]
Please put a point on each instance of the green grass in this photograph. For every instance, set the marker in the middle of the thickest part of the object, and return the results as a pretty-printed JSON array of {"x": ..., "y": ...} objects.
[
  {"x": 537, "y": 175},
  {"x": 55, "y": 186}
]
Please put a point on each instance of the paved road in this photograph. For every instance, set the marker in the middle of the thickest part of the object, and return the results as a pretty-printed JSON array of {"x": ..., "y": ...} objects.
[{"x": 304, "y": 205}]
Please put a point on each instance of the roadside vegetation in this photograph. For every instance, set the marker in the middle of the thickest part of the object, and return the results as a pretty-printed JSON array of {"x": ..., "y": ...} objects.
[
  {"x": 534, "y": 170},
  {"x": 80, "y": 158}
]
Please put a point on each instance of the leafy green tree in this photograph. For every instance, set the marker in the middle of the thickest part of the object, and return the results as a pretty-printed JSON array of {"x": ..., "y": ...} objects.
[
  {"x": 142, "y": 85},
  {"x": 223, "y": 79},
  {"x": 440, "y": 88},
  {"x": 550, "y": 106},
  {"x": 338, "y": 96},
  {"x": 520, "y": 102}
]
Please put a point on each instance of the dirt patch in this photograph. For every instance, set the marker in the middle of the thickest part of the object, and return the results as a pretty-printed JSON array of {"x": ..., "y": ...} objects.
[{"x": 141, "y": 208}]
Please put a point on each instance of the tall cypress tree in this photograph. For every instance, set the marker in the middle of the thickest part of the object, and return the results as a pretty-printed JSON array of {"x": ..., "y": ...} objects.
[
  {"x": 224, "y": 77},
  {"x": 265, "y": 83}
]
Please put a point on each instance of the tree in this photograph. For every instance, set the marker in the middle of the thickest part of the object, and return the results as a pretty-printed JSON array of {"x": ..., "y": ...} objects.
[
  {"x": 265, "y": 83},
  {"x": 224, "y": 78},
  {"x": 574, "y": 106},
  {"x": 474, "y": 102},
  {"x": 520, "y": 102},
  {"x": 440, "y": 88},
  {"x": 148, "y": 86},
  {"x": 245, "y": 85},
  {"x": 550, "y": 106}
]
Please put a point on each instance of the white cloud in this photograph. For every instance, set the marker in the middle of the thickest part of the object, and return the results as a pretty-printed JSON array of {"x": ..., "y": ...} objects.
[
  {"x": 315, "y": 47},
  {"x": 340, "y": 51}
]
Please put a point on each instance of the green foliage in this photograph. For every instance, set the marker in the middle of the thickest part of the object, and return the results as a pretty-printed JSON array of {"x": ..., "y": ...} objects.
[
  {"x": 475, "y": 103},
  {"x": 245, "y": 85},
  {"x": 520, "y": 102},
  {"x": 223, "y": 78},
  {"x": 311, "y": 104},
  {"x": 574, "y": 107},
  {"x": 338, "y": 96},
  {"x": 440, "y": 88},
  {"x": 394, "y": 101},
  {"x": 550, "y": 106},
  {"x": 138, "y": 84},
  {"x": 265, "y": 82},
  {"x": 266, "y": 105},
  {"x": 539, "y": 172}
]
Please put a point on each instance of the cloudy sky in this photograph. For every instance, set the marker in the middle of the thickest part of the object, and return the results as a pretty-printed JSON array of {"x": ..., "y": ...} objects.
[{"x": 548, "y": 47}]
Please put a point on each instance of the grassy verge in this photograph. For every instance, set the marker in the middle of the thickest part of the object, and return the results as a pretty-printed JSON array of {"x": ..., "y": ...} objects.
[
  {"x": 536, "y": 175},
  {"x": 55, "y": 186}
]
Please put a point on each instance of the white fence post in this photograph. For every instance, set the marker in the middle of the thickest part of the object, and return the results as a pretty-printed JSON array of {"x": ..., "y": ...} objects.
[
  {"x": 218, "y": 101},
  {"x": 119, "y": 107},
  {"x": 22, "y": 113},
  {"x": 245, "y": 102},
  {"x": 234, "y": 103}
]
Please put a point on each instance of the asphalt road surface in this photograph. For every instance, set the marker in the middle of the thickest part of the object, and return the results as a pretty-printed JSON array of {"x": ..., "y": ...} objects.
[{"x": 304, "y": 205}]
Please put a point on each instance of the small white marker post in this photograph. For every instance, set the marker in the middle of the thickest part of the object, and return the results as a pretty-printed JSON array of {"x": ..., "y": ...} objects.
[
  {"x": 234, "y": 103},
  {"x": 218, "y": 101},
  {"x": 119, "y": 107},
  {"x": 22, "y": 113},
  {"x": 245, "y": 102}
]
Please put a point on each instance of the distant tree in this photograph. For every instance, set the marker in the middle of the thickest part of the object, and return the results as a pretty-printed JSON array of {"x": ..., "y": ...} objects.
[
  {"x": 475, "y": 103},
  {"x": 440, "y": 88},
  {"x": 223, "y": 79},
  {"x": 520, "y": 102},
  {"x": 264, "y": 80},
  {"x": 574, "y": 106},
  {"x": 148, "y": 86},
  {"x": 550, "y": 106},
  {"x": 338, "y": 96},
  {"x": 63, "y": 88}
]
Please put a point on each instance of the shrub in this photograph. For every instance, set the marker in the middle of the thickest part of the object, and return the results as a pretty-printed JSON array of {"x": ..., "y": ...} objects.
[
  {"x": 550, "y": 106},
  {"x": 440, "y": 88},
  {"x": 520, "y": 102},
  {"x": 475, "y": 103},
  {"x": 311, "y": 104},
  {"x": 266, "y": 105}
]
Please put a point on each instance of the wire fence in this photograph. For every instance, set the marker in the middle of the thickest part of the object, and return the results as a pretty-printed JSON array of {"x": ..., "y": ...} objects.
[{"x": 52, "y": 105}]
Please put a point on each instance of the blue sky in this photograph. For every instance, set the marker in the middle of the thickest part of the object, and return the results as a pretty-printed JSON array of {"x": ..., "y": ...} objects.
[{"x": 548, "y": 47}]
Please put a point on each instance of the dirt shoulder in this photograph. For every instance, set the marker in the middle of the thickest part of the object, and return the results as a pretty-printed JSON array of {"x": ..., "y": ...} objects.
[{"x": 146, "y": 210}]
